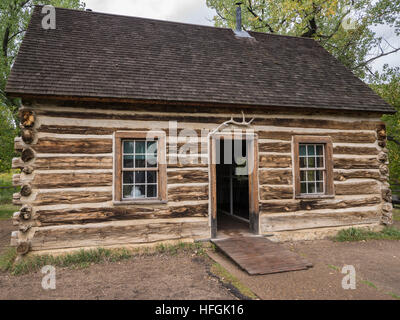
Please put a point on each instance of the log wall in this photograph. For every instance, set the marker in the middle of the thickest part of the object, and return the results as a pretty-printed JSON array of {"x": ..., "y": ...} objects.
[{"x": 67, "y": 174}]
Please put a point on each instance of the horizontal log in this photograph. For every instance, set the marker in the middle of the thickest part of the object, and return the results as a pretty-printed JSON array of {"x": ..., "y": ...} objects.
[
  {"x": 356, "y": 174},
  {"x": 118, "y": 233},
  {"x": 356, "y": 163},
  {"x": 357, "y": 187},
  {"x": 17, "y": 163},
  {"x": 77, "y": 163},
  {"x": 337, "y": 137},
  {"x": 16, "y": 199},
  {"x": 71, "y": 197},
  {"x": 316, "y": 204},
  {"x": 280, "y": 147},
  {"x": 355, "y": 150},
  {"x": 26, "y": 117},
  {"x": 214, "y": 117},
  {"x": 187, "y": 148},
  {"x": 64, "y": 145},
  {"x": 187, "y": 176},
  {"x": 275, "y": 161},
  {"x": 77, "y": 130},
  {"x": 182, "y": 161},
  {"x": 16, "y": 180},
  {"x": 67, "y": 180},
  {"x": 18, "y": 144},
  {"x": 27, "y": 154},
  {"x": 275, "y": 177},
  {"x": 27, "y": 135},
  {"x": 85, "y": 130},
  {"x": 130, "y": 212},
  {"x": 310, "y": 220},
  {"x": 187, "y": 193},
  {"x": 275, "y": 192}
]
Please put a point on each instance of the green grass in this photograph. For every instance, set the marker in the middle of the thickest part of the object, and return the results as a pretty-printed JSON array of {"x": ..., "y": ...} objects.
[
  {"x": 6, "y": 207},
  {"x": 230, "y": 279},
  {"x": 7, "y": 259},
  {"x": 85, "y": 258},
  {"x": 393, "y": 295},
  {"x": 333, "y": 267},
  {"x": 396, "y": 214},
  {"x": 356, "y": 234},
  {"x": 7, "y": 210},
  {"x": 173, "y": 249},
  {"x": 369, "y": 283}
]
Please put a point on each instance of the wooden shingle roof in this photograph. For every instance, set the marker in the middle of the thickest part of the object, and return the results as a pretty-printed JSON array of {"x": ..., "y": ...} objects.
[{"x": 100, "y": 55}]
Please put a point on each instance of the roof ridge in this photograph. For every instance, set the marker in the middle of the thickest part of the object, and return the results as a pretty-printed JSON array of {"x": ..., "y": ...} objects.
[{"x": 176, "y": 22}]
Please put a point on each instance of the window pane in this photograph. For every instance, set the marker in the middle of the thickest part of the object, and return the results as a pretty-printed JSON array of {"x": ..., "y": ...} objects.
[
  {"x": 128, "y": 177},
  {"x": 320, "y": 187},
  {"x": 151, "y": 147},
  {"x": 303, "y": 176},
  {"x": 127, "y": 191},
  {"x": 319, "y": 175},
  {"x": 139, "y": 161},
  {"x": 320, "y": 149},
  {"x": 151, "y": 176},
  {"x": 310, "y": 175},
  {"x": 303, "y": 162},
  {"x": 320, "y": 162},
  {"x": 311, "y": 187},
  {"x": 311, "y": 162},
  {"x": 140, "y": 147},
  {"x": 310, "y": 150},
  {"x": 302, "y": 150},
  {"x": 140, "y": 177},
  {"x": 140, "y": 191},
  {"x": 128, "y": 161},
  {"x": 128, "y": 146},
  {"x": 303, "y": 188},
  {"x": 151, "y": 161},
  {"x": 151, "y": 191}
]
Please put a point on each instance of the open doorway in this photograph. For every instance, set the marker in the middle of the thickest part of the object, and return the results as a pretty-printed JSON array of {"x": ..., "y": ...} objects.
[{"x": 234, "y": 186}]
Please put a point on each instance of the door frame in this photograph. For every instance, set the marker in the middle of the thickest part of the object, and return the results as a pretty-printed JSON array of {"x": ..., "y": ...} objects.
[{"x": 254, "y": 222}]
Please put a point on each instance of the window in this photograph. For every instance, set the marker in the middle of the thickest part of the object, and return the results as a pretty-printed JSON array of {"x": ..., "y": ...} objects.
[
  {"x": 140, "y": 169},
  {"x": 313, "y": 166}
]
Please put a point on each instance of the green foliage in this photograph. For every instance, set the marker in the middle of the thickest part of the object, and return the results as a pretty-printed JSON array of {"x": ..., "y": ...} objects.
[
  {"x": 7, "y": 259},
  {"x": 356, "y": 234},
  {"x": 322, "y": 20},
  {"x": 387, "y": 85},
  {"x": 6, "y": 206},
  {"x": 8, "y": 130},
  {"x": 14, "y": 19}
]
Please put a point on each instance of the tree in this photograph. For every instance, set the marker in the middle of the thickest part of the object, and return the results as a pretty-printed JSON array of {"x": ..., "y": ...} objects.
[
  {"x": 354, "y": 42},
  {"x": 14, "y": 19},
  {"x": 387, "y": 85}
]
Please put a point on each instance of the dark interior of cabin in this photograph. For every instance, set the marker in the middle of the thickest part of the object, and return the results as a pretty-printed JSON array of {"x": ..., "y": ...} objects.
[{"x": 232, "y": 185}]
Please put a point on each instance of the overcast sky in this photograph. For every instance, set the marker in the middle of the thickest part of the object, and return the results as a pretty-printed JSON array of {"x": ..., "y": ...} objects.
[{"x": 196, "y": 12}]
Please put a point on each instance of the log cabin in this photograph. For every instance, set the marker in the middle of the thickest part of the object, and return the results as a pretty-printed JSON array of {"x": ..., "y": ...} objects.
[{"x": 137, "y": 131}]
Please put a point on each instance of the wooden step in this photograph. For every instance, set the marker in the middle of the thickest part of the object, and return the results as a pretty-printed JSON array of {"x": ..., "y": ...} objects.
[{"x": 258, "y": 255}]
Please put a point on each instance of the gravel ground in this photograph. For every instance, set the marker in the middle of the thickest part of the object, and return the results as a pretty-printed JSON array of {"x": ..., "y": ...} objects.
[
  {"x": 159, "y": 277},
  {"x": 186, "y": 276},
  {"x": 377, "y": 265}
]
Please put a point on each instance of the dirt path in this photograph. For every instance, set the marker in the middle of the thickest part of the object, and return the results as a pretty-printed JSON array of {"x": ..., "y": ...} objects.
[
  {"x": 144, "y": 277},
  {"x": 186, "y": 276},
  {"x": 6, "y": 228},
  {"x": 377, "y": 262}
]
